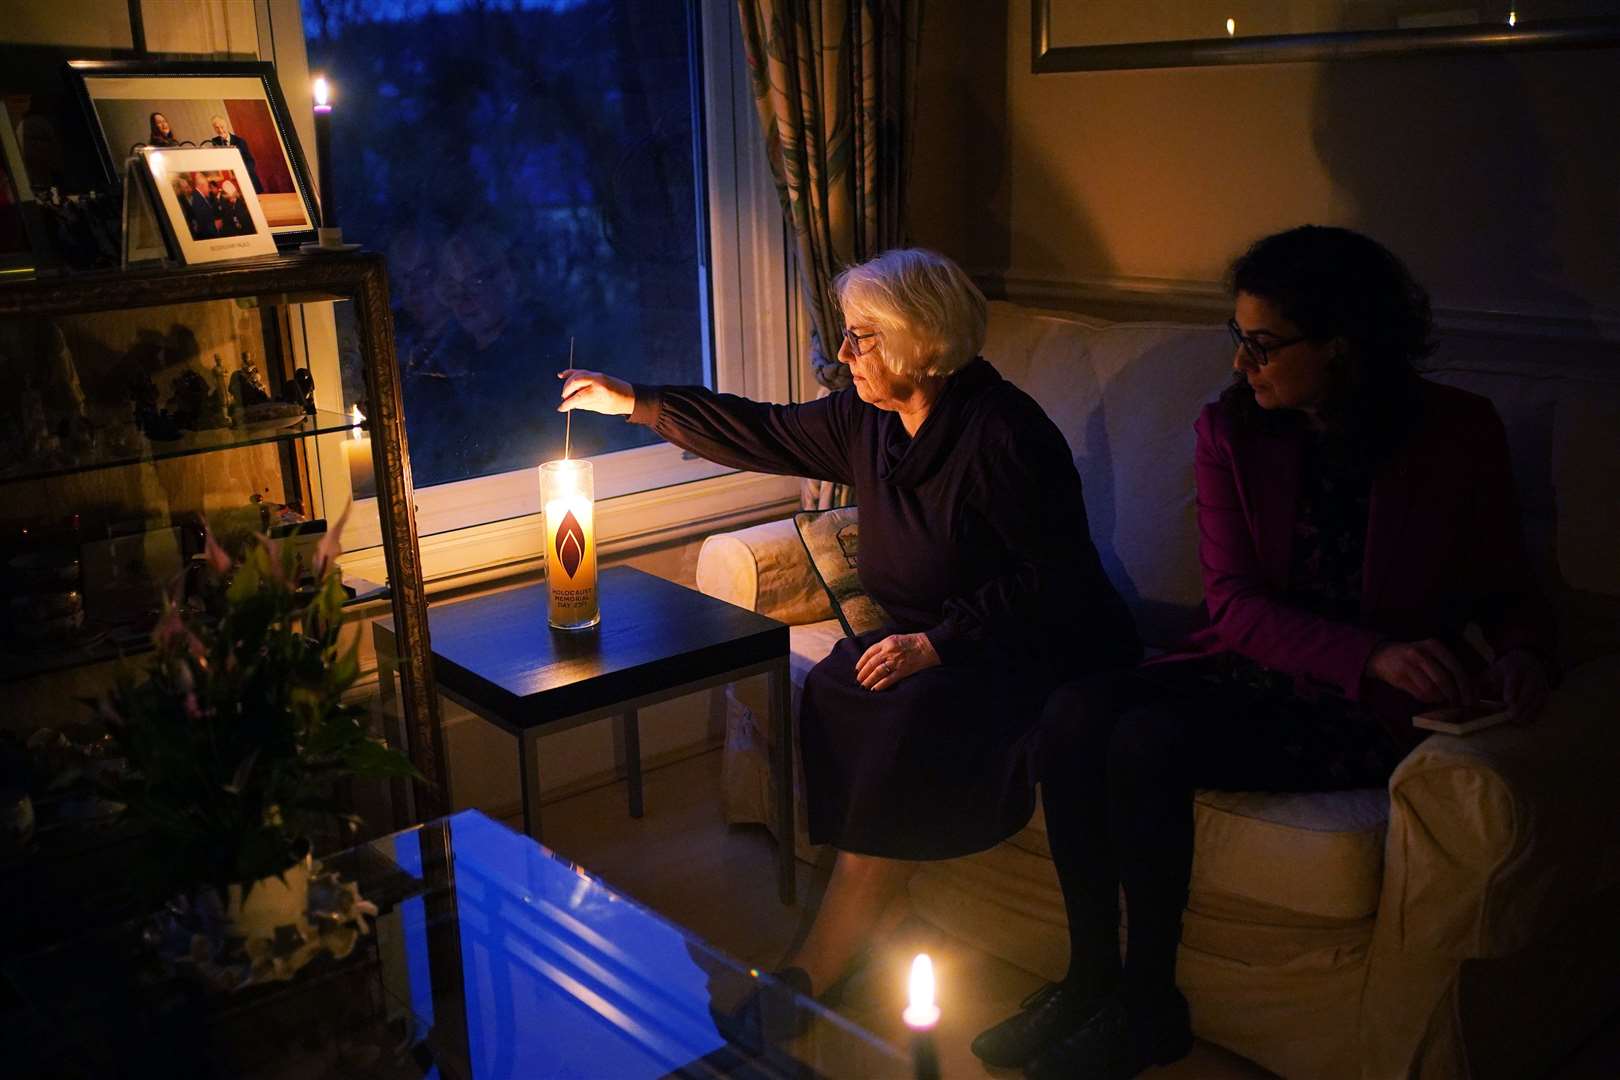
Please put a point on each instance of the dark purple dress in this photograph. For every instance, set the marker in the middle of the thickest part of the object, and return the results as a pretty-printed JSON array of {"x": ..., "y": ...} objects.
[{"x": 973, "y": 532}]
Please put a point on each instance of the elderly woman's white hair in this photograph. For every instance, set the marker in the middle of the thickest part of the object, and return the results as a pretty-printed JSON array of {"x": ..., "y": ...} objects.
[{"x": 929, "y": 312}]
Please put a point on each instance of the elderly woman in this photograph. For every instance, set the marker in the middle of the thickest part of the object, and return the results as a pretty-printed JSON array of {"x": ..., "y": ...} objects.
[
  {"x": 916, "y": 736},
  {"x": 1353, "y": 518}
]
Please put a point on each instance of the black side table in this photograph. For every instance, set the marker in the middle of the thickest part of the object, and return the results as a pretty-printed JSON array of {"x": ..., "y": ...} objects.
[{"x": 496, "y": 657}]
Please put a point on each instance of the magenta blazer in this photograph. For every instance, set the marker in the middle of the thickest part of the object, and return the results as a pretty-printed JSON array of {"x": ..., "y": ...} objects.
[{"x": 1444, "y": 547}]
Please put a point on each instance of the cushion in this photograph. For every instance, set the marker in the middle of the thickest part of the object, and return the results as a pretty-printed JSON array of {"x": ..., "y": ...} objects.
[
  {"x": 1125, "y": 396},
  {"x": 1319, "y": 853},
  {"x": 761, "y": 568},
  {"x": 832, "y": 538}
]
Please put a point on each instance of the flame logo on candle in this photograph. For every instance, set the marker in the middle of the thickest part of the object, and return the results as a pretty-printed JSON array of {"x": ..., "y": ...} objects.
[{"x": 570, "y": 544}]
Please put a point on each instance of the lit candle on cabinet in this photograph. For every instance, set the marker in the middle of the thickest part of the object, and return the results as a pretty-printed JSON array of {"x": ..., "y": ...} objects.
[
  {"x": 357, "y": 453},
  {"x": 920, "y": 1016},
  {"x": 567, "y": 496},
  {"x": 323, "y": 152}
]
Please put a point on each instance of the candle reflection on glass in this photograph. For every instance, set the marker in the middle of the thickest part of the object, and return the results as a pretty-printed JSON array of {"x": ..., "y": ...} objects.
[
  {"x": 357, "y": 453},
  {"x": 920, "y": 1016},
  {"x": 567, "y": 496}
]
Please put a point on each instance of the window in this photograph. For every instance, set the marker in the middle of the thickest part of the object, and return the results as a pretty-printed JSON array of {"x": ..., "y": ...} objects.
[{"x": 541, "y": 172}]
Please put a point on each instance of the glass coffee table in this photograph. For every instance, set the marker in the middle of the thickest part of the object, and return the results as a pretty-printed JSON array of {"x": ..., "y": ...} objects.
[
  {"x": 491, "y": 957},
  {"x": 514, "y": 962}
]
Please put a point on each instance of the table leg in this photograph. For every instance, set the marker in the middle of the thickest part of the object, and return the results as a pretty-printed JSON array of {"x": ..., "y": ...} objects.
[
  {"x": 529, "y": 778},
  {"x": 632, "y": 759},
  {"x": 782, "y": 766}
]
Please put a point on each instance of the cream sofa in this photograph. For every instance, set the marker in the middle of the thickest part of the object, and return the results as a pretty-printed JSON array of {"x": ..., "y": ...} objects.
[{"x": 1461, "y": 922}]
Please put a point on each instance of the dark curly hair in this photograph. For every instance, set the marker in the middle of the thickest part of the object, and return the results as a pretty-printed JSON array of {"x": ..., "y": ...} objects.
[{"x": 1335, "y": 283}]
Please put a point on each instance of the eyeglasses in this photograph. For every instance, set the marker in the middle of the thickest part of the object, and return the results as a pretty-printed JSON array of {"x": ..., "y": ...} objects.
[
  {"x": 855, "y": 341},
  {"x": 1258, "y": 350}
]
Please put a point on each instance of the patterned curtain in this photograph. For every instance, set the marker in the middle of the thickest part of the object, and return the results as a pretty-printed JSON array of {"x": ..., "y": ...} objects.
[{"x": 834, "y": 82}]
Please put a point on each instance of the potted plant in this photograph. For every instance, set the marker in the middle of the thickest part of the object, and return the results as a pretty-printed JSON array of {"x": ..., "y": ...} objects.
[{"x": 237, "y": 735}]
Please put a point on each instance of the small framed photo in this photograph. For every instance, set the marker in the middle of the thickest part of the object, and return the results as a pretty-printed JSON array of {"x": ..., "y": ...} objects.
[
  {"x": 133, "y": 105},
  {"x": 209, "y": 210}
]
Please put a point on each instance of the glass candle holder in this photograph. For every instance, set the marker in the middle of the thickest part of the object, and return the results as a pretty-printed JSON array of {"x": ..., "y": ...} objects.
[{"x": 568, "y": 497}]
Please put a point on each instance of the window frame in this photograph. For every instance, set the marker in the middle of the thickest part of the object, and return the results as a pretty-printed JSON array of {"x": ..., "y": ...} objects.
[{"x": 753, "y": 317}]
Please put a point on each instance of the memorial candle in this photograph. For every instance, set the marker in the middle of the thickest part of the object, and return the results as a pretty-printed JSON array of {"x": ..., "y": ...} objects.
[
  {"x": 920, "y": 1016},
  {"x": 567, "y": 497}
]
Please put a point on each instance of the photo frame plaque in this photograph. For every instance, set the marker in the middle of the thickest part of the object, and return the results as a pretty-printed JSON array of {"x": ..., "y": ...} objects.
[{"x": 209, "y": 210}]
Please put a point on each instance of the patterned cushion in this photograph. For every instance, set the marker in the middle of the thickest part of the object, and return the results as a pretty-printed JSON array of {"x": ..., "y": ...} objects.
[{"x": 832, "y": 538}]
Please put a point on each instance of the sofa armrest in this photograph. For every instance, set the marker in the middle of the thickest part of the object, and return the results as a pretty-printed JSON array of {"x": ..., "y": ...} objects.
[
  {"x": 764, "y": 568},
  {"x": 1494, "y": 837}
]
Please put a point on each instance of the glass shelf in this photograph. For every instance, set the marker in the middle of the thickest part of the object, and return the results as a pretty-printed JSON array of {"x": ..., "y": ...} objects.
[
  {"x": 111, "y": 643},
  {"x": 189, "y": 442}
]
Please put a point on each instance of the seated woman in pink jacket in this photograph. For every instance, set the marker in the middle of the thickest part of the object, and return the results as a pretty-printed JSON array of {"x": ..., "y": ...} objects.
[{"x": 1353, "y": 518}]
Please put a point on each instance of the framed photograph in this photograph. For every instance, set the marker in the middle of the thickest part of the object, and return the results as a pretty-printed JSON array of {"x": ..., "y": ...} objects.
[
  {"x": 132, "y": 105},
  {"x": 210, "y": 211}
]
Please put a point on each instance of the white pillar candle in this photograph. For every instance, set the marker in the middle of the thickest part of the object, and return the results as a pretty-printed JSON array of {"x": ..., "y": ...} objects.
[
  {"x": 567, "y": 495},
  {"x": 357, "y": 454}
]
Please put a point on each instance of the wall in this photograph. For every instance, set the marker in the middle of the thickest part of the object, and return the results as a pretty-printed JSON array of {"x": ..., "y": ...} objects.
[{"x": 1495, "y": 174}]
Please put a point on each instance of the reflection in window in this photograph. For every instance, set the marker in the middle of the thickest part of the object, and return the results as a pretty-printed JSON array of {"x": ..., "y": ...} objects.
[{"x": 531, "y": 172}]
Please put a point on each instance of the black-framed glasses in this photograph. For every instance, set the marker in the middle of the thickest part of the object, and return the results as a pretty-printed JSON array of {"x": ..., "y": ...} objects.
[
  {"x": 1258, "y": 350},
  {"x": 855, "y": 341}
]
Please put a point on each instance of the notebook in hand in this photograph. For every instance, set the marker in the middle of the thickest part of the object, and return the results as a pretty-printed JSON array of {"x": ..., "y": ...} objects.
[{"x": 1457, "y": 721}]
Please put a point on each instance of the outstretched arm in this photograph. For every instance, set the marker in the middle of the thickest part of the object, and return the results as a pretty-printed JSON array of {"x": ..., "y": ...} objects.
[{"x": 812, "y": 439}]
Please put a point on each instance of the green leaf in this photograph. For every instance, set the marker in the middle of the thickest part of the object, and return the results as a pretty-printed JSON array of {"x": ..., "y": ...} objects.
[{"x": 370, "y": 758}]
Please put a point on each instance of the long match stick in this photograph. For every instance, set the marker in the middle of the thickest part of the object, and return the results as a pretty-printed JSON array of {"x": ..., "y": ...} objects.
[{"x": 568, "y": 417}]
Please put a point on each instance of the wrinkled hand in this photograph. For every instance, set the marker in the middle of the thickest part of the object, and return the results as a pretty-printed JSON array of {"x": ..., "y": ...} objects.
[
  {"x": 894, "y": 658},
  {"x": 1520, "y": 679},
  {"x": 594, "y": 391},
  {"x": 1427, "y": 670}
]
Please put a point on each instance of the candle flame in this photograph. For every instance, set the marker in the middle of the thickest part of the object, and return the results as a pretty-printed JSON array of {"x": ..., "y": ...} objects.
[
  {"x": 321, "y": 91},
  {"x": 1231, "y": 27},
  {"x": 356, "y": 420},
  {"x": 922, "y": 1012}
]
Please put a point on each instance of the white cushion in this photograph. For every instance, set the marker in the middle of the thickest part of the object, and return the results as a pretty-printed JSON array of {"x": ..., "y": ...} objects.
[
  {"x": 1125, "y": 396},
  {"x": 765, "y": 569},
  {"x": 1319, "y": 854}
]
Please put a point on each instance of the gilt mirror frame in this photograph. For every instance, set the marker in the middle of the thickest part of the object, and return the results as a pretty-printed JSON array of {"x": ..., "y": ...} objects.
[{"x": 1048, "y": 56}]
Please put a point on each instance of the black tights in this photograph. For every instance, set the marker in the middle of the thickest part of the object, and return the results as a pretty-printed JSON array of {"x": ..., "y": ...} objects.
[{"x": 1123, "y": 754}]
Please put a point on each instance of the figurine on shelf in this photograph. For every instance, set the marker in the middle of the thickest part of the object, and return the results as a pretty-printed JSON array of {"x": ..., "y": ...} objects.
[
  {"x": 192, "y": 404},
  {"x": 155, "y": 423},
  {"x": 247, "y": 386},
  {"x": 43, "y": 412},
  {"x": 300, "y": 389},
  {"x": 222, "y": 392}
]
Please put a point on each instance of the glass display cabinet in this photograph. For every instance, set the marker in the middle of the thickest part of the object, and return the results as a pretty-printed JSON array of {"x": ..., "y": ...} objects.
[{"x": 137, "y": 407}]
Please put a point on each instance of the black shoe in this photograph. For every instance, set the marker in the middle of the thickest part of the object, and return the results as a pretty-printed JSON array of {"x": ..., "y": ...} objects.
[
  {"x": 1117, "y": 1044},
  {"x": 1049, "y": 1013},
  {"x": 769, "y": 1013}
]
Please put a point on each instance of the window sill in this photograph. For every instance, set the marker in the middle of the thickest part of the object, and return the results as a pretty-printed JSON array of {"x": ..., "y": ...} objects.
[{"x": 481, "y": 553}]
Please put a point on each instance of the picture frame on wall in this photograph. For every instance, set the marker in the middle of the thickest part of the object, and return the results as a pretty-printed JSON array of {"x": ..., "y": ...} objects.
[
  {"x": 208, "y": 209},
  {"x": 133, "y": 105}
]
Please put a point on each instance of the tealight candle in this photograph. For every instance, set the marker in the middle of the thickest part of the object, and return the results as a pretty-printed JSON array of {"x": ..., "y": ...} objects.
[
  {"x": 567, "y": 495},
  {"x": 357, "y": 454},
  {"x": 920, "y": 1016}
]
